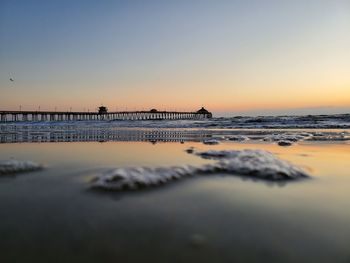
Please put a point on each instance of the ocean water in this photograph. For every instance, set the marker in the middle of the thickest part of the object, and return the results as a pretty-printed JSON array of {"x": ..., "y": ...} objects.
[
  {"x": 53, "y": 215},
  {"x": 336, "y": 121}
]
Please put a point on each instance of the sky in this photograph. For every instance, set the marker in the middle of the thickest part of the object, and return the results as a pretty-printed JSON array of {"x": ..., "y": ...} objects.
[{"x": 263, "y": 57}]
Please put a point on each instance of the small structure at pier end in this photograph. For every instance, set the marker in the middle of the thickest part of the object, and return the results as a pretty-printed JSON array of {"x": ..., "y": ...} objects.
[
  {"x": 205, "y": 112},
  {"x": 102, "y": 110},
  {"x": 101, "y": 114}
]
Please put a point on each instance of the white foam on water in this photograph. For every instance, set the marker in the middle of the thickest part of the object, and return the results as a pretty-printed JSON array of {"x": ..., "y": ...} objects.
[
  {"x": 253, "y": 163},
  {"x": 211, "y": 142},
  {"x": 287, "y": 137},
  {"x": 14, "y": 166},
  {"x": 329, "y": 137},
  {"x": 238, "y": 138}
]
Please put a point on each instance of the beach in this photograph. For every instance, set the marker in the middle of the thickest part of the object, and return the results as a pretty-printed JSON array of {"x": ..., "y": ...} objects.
[
  {"x": 174, "y": 131},
  {"x": 55, "y": 214}
]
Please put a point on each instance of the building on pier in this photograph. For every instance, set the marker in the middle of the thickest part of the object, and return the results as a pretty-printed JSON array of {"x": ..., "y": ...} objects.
[
  {"x": 102, "y": 110},
  {"x": 203, "y": 111}
]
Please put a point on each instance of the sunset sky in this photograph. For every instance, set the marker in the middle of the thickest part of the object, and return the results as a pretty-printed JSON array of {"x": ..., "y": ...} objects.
[{"x": 233, "y": 57}]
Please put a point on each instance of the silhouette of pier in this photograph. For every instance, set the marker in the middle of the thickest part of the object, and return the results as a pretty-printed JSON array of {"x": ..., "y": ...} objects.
[{"x": 101, "y": 114}]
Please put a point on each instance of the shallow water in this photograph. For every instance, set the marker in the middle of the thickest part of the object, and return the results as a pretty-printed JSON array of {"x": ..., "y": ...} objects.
[{"x": 53, "y": 215}]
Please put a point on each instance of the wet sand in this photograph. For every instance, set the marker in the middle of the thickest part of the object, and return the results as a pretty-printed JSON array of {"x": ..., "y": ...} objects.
[{"x": 53, "y": 216}]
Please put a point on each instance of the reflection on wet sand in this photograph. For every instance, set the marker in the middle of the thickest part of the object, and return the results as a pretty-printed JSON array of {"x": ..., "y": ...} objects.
[
  {"x": 69, "y": 133},
  {"x": 101, "y": 135}
]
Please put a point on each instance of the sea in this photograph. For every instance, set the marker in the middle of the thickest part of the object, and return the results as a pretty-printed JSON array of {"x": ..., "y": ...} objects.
[{"x": 240, "y": 189}]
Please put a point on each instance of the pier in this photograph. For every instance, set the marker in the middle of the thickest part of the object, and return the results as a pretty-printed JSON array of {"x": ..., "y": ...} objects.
[{"x": 102, "y": 114}]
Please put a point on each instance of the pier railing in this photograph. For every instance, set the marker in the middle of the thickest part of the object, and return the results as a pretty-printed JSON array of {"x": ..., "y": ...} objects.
[{"x": 35, "y": 116}]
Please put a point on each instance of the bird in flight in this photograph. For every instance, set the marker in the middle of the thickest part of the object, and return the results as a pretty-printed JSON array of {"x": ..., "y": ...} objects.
[{"x": 11, "y": 79}]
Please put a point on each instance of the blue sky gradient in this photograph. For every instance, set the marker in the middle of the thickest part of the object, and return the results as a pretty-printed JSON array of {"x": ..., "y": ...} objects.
[{"x": 235, "y": 57}]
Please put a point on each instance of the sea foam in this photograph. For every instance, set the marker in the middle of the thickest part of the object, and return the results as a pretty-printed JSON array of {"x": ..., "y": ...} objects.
[
  {"x": 14, "y": 166},
  {"x": 253, "y": 163}
]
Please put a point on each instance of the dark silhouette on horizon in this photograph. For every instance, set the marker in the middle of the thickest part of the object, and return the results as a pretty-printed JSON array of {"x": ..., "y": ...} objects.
[{"x": 102, "y": 114}]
